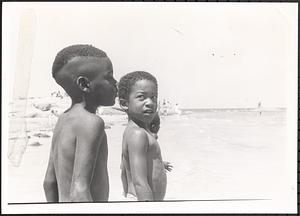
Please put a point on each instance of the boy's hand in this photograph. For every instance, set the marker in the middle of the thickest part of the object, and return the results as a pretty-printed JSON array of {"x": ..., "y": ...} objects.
[{"x": 168, "y": 166}]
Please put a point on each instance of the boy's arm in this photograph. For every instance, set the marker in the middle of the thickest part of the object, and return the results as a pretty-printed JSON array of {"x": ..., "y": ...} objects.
[
  {"x": 138, "y": 148},
  {"x": 89, "y": 136},
  {"x": 50, "y": 182},
  {"x": 124, "y": 179}
]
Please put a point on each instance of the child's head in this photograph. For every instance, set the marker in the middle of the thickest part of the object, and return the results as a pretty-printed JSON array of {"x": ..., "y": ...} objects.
[
  {"x": 137, "y": 93},
  {"x": 85, "y": 72}
]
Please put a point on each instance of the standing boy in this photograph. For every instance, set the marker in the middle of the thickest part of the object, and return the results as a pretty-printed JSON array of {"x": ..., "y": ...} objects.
[
  {"x": 143, "y": 172},
  {"x": 77, "y": 168}
]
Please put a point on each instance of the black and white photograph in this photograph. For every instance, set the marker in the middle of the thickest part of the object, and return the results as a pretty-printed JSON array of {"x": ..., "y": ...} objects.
[{"x": 149, "y": 107}]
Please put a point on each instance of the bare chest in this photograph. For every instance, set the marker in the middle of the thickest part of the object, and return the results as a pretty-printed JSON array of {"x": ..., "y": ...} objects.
[{"x": 154, "y": 148}]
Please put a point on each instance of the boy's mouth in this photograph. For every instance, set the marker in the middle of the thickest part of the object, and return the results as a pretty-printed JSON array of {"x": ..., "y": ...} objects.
[{"x": 149, "y": 111}]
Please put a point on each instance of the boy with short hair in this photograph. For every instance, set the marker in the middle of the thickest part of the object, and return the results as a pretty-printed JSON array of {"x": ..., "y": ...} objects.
[
  {"x": 143, "y": 172},
  {"x": 77, "y": 168}
]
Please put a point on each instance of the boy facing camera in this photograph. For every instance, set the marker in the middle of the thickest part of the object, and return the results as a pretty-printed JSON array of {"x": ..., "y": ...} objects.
[{"x": 143, "y": 172}]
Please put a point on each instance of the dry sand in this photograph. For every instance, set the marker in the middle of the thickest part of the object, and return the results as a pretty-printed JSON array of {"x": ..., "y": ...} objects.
[
  {"x": 30, "y": 134},
  {"x": 26, "y": 180}
]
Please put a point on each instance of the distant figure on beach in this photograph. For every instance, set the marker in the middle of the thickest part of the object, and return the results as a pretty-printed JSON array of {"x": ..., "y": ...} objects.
[
  {"x": 164, "y": 108},
  {"x": 177, "y": 110},
  {"x": 259, "y": 107},
  {"x": 143, "y": 173},
  {"x": 77, "y": 167},
  {"x": 169, "y": 107}
]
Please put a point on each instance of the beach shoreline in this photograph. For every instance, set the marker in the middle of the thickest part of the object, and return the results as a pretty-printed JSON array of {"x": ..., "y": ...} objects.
[{"x": 209, "y": 151}]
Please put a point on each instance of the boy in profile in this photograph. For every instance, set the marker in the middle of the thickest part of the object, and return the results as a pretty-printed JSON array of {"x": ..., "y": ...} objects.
[
  {"x": 77, "y": 167},
  {"x": 143, "y": 171}
]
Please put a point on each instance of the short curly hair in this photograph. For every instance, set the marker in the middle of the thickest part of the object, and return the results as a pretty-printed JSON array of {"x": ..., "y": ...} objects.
[
  {"x": 128, "y": 80},
  {"x": 70, "y": 52},
  {"x": 155, "y": 124}
]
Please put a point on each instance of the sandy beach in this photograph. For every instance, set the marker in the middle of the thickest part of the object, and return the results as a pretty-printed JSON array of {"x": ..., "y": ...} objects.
[{"x": 215, "y": 154}]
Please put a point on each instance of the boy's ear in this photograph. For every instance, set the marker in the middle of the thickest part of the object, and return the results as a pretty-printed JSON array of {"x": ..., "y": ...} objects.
[
  {"x": 123, "y": 104},
  {"x": 83, "y": 83}
]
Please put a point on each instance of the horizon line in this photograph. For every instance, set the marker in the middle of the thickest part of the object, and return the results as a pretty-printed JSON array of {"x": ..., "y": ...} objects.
[{"x": 252, "y": 108}]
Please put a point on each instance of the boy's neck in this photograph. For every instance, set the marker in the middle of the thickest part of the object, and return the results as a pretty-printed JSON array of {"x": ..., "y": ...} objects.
[
  {"x": 87, "y": 106},
  {"x": 140, "y": 123}
]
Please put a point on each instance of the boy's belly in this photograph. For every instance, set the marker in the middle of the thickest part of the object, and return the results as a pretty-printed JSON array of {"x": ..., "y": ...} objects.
[{"x": 159, "y": 180}]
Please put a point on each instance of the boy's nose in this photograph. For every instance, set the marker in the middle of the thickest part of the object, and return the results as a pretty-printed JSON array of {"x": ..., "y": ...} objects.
[{"x": 150, "y": 103}]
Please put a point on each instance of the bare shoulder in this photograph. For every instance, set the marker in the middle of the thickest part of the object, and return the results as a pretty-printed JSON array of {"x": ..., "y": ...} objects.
[
  {"x": 89, "y": 124},
  {"x": 90, "y": 120},
  {"x": 135, "y": 132},
  {"x": 136, "y": 137}
]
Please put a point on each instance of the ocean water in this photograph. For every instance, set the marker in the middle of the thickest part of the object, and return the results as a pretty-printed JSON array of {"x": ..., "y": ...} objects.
[{"x": 221, "y": 154}]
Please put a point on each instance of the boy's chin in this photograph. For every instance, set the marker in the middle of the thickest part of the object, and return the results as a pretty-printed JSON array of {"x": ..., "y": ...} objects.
[{"x": 147, "y": 120}]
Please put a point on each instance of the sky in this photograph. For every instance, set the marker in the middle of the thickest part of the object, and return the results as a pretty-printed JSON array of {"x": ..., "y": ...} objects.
[{"x": 204, "y": 55}]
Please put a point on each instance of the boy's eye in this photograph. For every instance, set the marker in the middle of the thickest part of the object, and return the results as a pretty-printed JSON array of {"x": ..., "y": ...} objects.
[{"x": 140, "y": 97}]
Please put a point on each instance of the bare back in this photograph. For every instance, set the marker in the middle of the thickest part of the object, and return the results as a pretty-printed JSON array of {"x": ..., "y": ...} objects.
[
  {"x": 156, "y": 174},
  {"x": 65, "y": 142}
]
